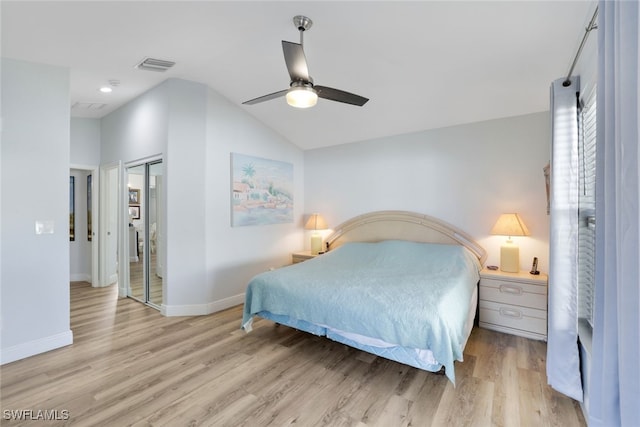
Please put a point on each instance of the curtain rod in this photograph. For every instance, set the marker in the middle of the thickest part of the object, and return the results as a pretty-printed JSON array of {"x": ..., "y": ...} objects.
[{"x": 592, "y": 26}]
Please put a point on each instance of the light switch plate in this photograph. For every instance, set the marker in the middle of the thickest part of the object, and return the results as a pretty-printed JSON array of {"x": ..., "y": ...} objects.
[{"x": 44, "y": 227}]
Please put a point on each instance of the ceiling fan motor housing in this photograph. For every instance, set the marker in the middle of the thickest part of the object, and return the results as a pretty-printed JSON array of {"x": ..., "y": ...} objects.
[{"x": 302, "y": 23}]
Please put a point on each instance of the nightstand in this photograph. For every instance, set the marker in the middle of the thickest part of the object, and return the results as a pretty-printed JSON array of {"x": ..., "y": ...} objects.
[
  {"x": 297, "y": 257},
  {"x": 515, "y": 303}
]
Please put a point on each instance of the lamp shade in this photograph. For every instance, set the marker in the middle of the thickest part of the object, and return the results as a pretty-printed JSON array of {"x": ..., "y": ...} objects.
[
  {"x": 316, "y": 222},
  {"x": 510, "y": 224}
]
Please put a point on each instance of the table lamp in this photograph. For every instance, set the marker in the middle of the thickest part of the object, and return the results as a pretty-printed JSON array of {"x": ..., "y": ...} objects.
[
  {"x": 510, "y": 224},
  {"x": 316, "y": 222}
]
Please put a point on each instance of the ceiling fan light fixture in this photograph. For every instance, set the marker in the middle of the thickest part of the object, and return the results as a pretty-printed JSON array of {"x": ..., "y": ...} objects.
[
  {"x": 302, "y": 93},
  {"x": 302, "y": 97}
]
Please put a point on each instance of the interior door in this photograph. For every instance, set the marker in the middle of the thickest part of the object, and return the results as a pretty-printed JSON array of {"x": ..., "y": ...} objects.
[
  {"x": 154, "y": 250},
  {"x": 134, "y": 233},
  {"x": 95, "y": 225},
  {"x": 109, "y": 185},
  {"x": 144, "y": 231}
]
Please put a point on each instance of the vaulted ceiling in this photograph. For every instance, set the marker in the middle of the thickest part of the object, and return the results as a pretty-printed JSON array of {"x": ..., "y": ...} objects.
[{"x": 423, "y": 64}]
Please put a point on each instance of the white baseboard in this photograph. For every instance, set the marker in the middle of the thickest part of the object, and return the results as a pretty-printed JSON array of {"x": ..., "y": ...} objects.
[
  {"x": 31, "y": 348},
  {"x": 202, "y": 309},
  {"x": 80, "y": 277},
  {"x": 184, "y": 310},
  {"x": 225, "y": 303}
]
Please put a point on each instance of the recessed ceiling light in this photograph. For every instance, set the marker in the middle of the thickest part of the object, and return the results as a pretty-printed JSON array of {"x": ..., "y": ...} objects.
[{"x": 108, "y": 88}]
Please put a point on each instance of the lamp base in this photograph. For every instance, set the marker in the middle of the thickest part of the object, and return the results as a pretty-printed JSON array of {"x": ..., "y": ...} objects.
[
  {"x": 316, "y": 243},
  {"x": 509, "y": 258}
]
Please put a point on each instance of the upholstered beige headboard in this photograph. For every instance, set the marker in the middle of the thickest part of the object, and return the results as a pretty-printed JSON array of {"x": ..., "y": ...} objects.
[{"x": 402, "y": 225}]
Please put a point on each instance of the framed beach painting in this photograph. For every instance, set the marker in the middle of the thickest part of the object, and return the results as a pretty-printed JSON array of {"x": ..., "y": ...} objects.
[{"x": 261, "y": 191}]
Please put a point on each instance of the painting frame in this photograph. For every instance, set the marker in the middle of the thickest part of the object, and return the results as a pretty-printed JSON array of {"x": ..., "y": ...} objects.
[
  {"x": 261, "y": 191},
  {"x": 134, "y": 196},
  {"x": 134, "y": 212}
]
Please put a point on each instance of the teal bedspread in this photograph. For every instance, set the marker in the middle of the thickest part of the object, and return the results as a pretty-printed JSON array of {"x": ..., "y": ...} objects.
[{"x": 409, "y": 294}]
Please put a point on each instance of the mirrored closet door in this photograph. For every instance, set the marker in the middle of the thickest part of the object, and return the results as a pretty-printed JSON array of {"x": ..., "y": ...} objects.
[{"x": 144, "y": 232}]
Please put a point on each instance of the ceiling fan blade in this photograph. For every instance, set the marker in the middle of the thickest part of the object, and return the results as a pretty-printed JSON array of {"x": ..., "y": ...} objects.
[
  {"x": 296, "y": 61},
  {"x": 340, "y": 96},
  {"x": 271, "y": 96}
]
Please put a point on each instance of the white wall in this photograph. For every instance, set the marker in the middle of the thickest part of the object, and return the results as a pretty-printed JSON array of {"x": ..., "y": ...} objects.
[
  {"x": 466, "y": 175},
  {"x": 34, "y": 290},
  {"x": 135, "y": 131},
  {"x": 208, "y": 263},
  {"x": 235, "y": 254},
  {"x": 85, "y": 160},
  {"x": 138, "y": 129},
  {"x": 185, "y": 188},
  {"x": 85, "y": 141}
]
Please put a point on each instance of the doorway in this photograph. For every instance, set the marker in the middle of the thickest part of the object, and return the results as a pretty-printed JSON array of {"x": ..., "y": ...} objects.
[
  {"x": 144, "y": 231},
  {"x": 83, "y": 253}
]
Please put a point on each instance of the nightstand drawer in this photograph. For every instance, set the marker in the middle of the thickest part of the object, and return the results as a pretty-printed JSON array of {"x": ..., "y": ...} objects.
[
  {"x": 297, "y": 257},
  {"x": 511, "y": 316},
  {"x": 515, "y": 293}
]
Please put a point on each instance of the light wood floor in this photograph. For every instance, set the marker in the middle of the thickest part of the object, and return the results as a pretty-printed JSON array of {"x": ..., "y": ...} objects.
[{"x": 131, "y": 366}]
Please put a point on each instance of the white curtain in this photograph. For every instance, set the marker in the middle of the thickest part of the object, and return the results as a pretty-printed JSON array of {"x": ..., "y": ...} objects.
[
  {"x": 563, "y": 359},
  {"x": 615, "y": 374}
]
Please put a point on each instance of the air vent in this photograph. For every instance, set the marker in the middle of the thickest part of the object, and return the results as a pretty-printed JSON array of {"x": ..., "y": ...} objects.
[
  {"x": 88, "y": 106},
  {"x": 152, "y": 64}
]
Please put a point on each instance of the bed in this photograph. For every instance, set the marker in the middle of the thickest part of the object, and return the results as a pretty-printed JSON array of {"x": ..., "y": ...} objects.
[{"x": 400, "y": 285}]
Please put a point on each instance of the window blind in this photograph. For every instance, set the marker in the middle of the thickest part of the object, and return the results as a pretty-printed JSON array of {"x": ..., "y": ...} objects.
[{"x": 587, "y": 206}]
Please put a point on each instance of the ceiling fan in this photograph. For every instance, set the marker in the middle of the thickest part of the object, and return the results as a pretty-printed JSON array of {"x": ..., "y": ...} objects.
[{"x": 302, "y": 93}]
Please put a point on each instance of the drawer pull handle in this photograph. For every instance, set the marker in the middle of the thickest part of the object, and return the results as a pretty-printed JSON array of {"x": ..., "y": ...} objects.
[
  {"x": 508, "y": 312},
  {"x": 510, "y": 289}
]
